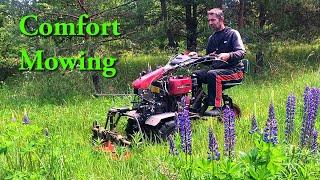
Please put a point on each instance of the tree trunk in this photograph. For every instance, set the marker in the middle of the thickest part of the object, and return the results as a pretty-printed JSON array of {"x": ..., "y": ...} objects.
[
  {"x": 95, "y": 75},
  {"x": 262, "y": 13},
  {"x": 191, "y": 25},
  {"x": 219, "y": 3},
  {"x": 260, "y": 53},
  {"x": 96, "y": 78},
  {"x": 164, "y": 17},
  {"x": 241, "y": 14}
]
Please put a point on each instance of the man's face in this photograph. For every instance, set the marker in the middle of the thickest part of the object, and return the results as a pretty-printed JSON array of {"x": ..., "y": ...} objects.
[{"x": 214, "y": 22}]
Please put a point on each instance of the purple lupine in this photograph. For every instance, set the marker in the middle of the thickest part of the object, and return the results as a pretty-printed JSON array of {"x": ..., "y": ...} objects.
[
  {"x": 267, "y": 131},
  {"x": 271, "y": 129},
  {"x": 172, "y": 148},
  {"x": 213, "y": 153},
  {"x": 182, "y": 129},
  {"x": 25, "y": 119},
  {"x": 312, "y": 113},
  {"x": 229, "y": 131},
  {"x": 314, "y": 142},
  {"x": 304, "y": 127},
  {"x": 176, "y": 122},
  {"x": 290, "y": 113},
  {"x": 254, "y": 125},
  {"x": 311, "y": 103},
  {"x": 185, "y": 128},
  {"x": 188, "y": 132}
]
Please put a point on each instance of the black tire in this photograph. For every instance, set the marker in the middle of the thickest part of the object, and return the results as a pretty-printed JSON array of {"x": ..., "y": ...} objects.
[
  {"x": 237, "y": 112},
  {"x": 131, "y": 128},
  {"x": 166, "y": 129}
]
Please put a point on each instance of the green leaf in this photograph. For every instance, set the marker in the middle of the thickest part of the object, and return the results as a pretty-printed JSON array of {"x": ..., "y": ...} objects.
[
  {"x": 3, "y": 150},
  {"x": 253, "y": 173}
]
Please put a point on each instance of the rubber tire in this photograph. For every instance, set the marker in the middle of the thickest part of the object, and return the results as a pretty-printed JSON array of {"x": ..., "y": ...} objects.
[
  {"x": 166, "y": 129},
  {"x": 131, "y": 128}
]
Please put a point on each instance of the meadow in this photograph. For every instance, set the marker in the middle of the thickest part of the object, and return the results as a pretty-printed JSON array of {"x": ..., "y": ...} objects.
[{"x": 57, "y": 142}]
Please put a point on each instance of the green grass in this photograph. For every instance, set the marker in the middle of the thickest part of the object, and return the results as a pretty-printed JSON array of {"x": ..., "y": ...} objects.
[{"x": 64, "y": 106}]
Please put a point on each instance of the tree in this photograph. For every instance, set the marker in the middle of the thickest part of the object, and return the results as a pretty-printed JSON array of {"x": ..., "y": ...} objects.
[
  {"x": 164, "y": 17},
  {"x": 191, "y": 24}
]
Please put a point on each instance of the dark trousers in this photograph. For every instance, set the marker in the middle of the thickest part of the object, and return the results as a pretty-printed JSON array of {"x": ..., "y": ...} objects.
[{"x": 215, "y": 80}]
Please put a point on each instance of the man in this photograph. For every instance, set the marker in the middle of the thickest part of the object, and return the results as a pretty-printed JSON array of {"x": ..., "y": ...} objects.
[{"x": 226, "y": 44}]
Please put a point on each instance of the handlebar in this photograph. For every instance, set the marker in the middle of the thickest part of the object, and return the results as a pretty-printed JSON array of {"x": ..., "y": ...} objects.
[{"x": 183, "y": 60}]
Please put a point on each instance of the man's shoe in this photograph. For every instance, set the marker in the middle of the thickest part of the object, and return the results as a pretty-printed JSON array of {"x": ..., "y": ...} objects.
[{"x": 214, "y": 112}]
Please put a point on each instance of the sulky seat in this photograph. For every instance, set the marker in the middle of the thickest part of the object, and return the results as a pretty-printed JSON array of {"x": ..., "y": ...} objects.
[
  {"x": 227, "y": 100},
  {"x": 245, "y": 70}
]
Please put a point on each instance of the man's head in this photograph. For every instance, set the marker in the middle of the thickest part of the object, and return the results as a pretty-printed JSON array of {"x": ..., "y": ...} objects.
[{"x": 216, "y": 19}]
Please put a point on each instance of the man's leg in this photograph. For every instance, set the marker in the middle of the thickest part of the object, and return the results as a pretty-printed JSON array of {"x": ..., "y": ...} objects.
[
  {"x": 218, "y": 77},
  {"x": 202, "y": 77}
]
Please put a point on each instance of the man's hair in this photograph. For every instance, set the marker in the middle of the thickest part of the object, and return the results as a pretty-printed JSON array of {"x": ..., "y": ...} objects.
[{"x": 216, "y": 11}]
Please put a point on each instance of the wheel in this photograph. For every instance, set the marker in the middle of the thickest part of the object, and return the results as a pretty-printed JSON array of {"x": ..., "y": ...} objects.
[
  {"x": 166, "y": 129},
  {"x": 95, "y": 136},
  {"x": 236, "y": 110},
  {"x": 131, "y": 128}
]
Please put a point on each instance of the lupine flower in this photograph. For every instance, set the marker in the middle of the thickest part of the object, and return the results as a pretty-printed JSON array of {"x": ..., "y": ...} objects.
[
  {"x": 271, "y": 129},
  {"x": 304, "y": 127},
  {"x": 213, "y": 153},
  {"x": 290, "y": 113},
  {"x": 254, "y": 125},
  {"x": 172, "y": 149},
  {"x": 314, "y": 143},
  {"x": 25, "y": 119},
  {"x": 182, "y": 130},
  {"x": 311, "y": 105},
  {"x": 185, "y": 128},
  {"x": 176, "y": 122},
  {"x": 229, "y": 131}
]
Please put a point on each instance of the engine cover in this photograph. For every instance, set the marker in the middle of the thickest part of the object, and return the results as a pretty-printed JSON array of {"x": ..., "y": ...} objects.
[{"x": 180, "y": 85}]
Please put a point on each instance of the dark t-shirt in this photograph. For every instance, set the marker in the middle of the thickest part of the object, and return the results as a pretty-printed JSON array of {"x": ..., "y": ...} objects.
[{"x": 227, "y": 40}]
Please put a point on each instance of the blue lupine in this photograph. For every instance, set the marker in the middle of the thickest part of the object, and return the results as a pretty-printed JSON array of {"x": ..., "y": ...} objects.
[
  {"x": 182, "y": 129},
  {"x": 290, "y": 113},
  {"x": 271, "y": 129},
  {"x": 172, "y": 148},
  {"x": 314, "y": 142},
  {"x": 188, "y": 132},
  {"x": 213, "y": 153},
  {"x": 185, "y": 128},
  {"x": 254, "y": 125},
  {"x": 304, "y": 127},
  {"x": 311, "y": 105},
  {"x": 313, "y": 110},
  {"x": 229, "y": 131},
  {"x": 176, "y": 122},
  {"x": 25, "y": 119}
]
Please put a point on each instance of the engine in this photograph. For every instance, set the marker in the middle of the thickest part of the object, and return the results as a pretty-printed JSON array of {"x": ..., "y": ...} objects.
[{"x": 161, "y": 96}]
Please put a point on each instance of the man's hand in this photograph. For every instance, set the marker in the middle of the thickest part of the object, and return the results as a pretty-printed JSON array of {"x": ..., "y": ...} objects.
[
  {"x": 224, "y": 56},
  {"x": 193, "y": 54},
  {"x": 213, "y": 54}
]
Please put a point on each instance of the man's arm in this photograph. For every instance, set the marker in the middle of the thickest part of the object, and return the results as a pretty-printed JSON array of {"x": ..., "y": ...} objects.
[{"x": 238, "y": 51}]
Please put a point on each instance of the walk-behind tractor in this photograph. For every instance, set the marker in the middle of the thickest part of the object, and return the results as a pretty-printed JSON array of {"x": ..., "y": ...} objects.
[{"x": 156, "y": 101}]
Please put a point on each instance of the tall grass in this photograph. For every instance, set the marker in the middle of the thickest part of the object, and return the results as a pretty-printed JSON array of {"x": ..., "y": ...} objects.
[{"x": 62, "y": 103}]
